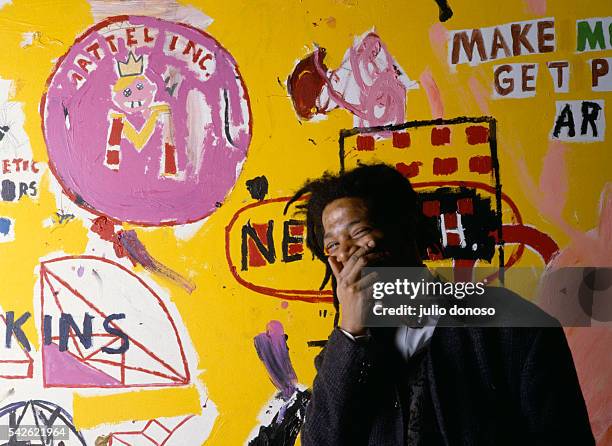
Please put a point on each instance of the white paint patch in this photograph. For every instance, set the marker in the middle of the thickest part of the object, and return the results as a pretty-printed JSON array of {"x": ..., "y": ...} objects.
[
  {"x": 27, "y": 39},
  {"x": 199, "y": 118},
  {"x": 579, "y": 121},
  {"x": 15, "y": 142},
  {"x": 163, "y": 9},
  {"x": 188, "y": 231},
  {"x": 601, "y": 74},
  {"x": 3, "y": 3}
]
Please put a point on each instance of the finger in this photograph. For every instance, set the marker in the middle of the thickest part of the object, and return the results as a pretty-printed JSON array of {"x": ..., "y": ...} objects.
[
  {"x": 355, "y": 256},
  {"x": 336, "y": 267},
  {"x": 352, "y": 273}
]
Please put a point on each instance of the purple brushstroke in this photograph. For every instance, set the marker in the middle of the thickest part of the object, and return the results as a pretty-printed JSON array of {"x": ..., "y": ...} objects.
[
  {"x": 137, "y": 253},
  {"x": 136, "y": 192},
  {"x": 272, "y": 349}
]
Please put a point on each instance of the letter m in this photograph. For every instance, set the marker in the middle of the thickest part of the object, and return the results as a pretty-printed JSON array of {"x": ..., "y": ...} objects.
[
  {"x": 462, "y": 41},
  {"x": 595, "y": 36}
]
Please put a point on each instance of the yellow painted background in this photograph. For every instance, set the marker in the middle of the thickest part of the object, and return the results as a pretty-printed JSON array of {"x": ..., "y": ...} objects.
[{"x": 266, "y": 38}]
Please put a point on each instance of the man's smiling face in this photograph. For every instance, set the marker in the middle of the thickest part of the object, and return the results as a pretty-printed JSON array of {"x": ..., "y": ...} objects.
[{"x": 348, "y": 226}]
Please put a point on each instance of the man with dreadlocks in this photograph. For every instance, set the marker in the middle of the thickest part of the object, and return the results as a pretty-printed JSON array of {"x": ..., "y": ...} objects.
[{"x": 434, "y": 385}]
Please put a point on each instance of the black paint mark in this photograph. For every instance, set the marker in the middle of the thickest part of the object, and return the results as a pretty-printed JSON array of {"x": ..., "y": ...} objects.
[
  {"x": 289, "y": 239},
  {"x": 8, "y": 190},
  {"x": 445, "y": 10},
  {"x": 477, "y": 225},
  {"x": 286, "y": 424},
  {"x": 3, "y": 131},
  {"x": 268, "y": 253},
  {"x": 257, "y": 187},
  {"x": 565, "y": 119},
  {"x": 322, "y": 343},
  {"x": 590, "y": 112},
  {"x": 227, "y": 119},
  {"x": 170, "y": 88},
  {"x": 13, "y": 328},
  {"x": 312, "y": 141},
  {"x": 64, "y": 217}
]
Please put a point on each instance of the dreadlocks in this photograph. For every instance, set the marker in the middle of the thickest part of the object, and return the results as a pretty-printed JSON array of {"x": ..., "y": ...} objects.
[{"x": 389, "y": 197}]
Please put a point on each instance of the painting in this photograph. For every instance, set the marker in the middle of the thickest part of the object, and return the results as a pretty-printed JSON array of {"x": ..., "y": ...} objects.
[{"x": 156, "y": 283}]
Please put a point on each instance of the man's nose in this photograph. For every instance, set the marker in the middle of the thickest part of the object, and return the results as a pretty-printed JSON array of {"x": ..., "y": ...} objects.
[{"x": 346, "y": 250}]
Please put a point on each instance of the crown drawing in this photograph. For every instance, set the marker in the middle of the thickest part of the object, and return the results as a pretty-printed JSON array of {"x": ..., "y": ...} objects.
[{"x": 131, "y": 67}]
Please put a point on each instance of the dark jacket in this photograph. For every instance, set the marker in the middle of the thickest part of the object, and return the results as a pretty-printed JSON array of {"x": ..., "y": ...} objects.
[{"x": 488, "y": 386}]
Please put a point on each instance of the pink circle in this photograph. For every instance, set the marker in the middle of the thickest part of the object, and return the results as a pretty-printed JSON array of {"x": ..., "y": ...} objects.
[{"x": 146, "y": 121}]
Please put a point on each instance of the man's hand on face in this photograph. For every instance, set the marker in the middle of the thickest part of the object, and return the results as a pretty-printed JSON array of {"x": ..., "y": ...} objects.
[{"x": 352, "y": 288}]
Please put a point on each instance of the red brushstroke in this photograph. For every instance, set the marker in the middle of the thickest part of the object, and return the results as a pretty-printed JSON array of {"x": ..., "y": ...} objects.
[
  {"x": 477, "y": 134},
  {"x": 481, "y": 164},
  {"x": 115, "y": 137},
  {"x": 445, "y": 166},
  {"x": 450, "y": 220},
  {"x": 431, "y": 208},
  {"x": 463, "y": 270},
  {"x": 401, "y": 140},
  {"x": 295, "y": 248},
  {"x": 169, "y": 159},
  {"x": 440, "y": 136},
  {"x": 465, "y": 206},
  {"x": 409, "y": 170},
  {"x": 255, "y": 257},
  {"x": 365, "y": 142},
  {"x": 538, "y": 241},
  {"x": 117, "y": 438}
]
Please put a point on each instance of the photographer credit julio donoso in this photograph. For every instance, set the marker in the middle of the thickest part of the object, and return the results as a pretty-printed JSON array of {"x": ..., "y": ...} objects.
[{"x": 433, "y": 385}]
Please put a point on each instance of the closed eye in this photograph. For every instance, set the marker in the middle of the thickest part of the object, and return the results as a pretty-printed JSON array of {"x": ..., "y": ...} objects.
[
  {"x": 331, "y": 246},
  {"x": 361, "y": 232}
]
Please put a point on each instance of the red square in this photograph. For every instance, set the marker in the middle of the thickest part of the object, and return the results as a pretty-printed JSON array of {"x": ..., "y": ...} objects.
[
  {"x": 401, "y": 140},
  {"x": 450, "y": 220},
  {"x": 477, "y": 134},
  {"x": 409, "y": 170},
  {"x": 431, "y": 208},
  {"x": 112, "y": 157},
  {"x": 452, "y": 239},
  {"x": 480, "y": 164},
  {"x": 465, "y": 206},
  {"x": 440, "y": 136},
  {"x": 445, "y": 166},
  {"x": 365, "y": 142}
]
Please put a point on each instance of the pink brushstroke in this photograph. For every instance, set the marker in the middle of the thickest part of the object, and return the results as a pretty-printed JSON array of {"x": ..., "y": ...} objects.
[
  {"x": 374, "y": 87},
  {"x": 272, "y": 349},
  {"x": 433, "y": 94},
  {"x": 480, "y": 95},
  {"x": 537, "y": 7},
  {"x": 438, "y": 36},
  {"x": 553, "y": 180},
  {"x": 591, "y": 351},
  {"x": 127, "y": 244}
]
